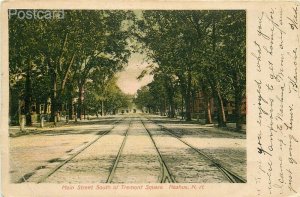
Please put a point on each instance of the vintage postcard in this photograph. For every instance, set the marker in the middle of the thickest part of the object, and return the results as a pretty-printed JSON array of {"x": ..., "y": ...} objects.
[{"x": 150, "y": 98}]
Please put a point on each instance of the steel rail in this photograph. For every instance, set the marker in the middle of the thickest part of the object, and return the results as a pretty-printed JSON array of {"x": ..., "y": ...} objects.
[
  {"x": 116, "y": 161},
  {"x": 165, "y": 172},
  {"x": 231, "y": 176},
  {"x": 51, "y": 172}
]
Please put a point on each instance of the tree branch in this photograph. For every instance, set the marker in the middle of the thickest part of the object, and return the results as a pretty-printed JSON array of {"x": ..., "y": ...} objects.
[
  {"x": 67, "y": 73},
  {"x": 62, "y": 52}
]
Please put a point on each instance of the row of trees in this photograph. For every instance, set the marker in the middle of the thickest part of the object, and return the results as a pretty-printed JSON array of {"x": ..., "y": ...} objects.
[
  {"x": 194, "y": 51},
  {"x": 62, "y": 59},
  {"x": 79, "y": 55}
]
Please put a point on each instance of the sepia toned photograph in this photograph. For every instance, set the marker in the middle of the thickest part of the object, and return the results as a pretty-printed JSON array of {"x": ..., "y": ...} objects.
[{"x": 127, "y": 96}]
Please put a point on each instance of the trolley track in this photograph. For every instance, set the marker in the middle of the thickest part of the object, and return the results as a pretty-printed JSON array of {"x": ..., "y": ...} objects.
[
  {"x": 57, "y": 167},
  {"x": 117, "y": 159},
  {"x": 165, "y": 176},
  {"x": 231, "y": 176}
]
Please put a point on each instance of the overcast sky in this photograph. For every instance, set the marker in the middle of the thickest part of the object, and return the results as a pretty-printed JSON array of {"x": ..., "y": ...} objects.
[{"x": 127, "y": 79}]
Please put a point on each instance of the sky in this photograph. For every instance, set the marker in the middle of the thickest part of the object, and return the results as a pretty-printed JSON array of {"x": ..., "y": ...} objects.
[{"x": 127, "y": 79}]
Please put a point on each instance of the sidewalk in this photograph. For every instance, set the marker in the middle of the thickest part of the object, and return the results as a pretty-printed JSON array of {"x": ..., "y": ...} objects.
[
  {"x": 15, "y": 131},
  {"x": 229, "y": 126}
]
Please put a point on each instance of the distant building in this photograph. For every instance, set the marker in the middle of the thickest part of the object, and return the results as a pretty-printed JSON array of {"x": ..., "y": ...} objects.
[
  {"x": 129, "y": 110},
  {"x": 198, "y": 107}
]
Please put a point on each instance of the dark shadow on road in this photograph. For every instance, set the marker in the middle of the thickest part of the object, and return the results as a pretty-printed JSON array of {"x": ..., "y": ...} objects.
[{"x": 192, "y": 129}]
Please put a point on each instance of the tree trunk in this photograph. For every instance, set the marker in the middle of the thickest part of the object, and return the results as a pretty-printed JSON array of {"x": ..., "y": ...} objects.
[
  {"x": 208, "y": 116},
  {"x": 188, "y": 108},
  {"x": 238, "y": 116},
  {"x": 71, "y": 108},
  {"x": 11, "y": 111},
  {"x": 53, "y": 105},
  {"x": 38, "y": 107},
  {"x": 59, "y": 105},
  {"x": 102, "y": 108},
  {"x": 182, "y": 115},
  {"x": 165, "y": 105},
  {"x": 64, "y": 78},
  {"x": 215, "y": 87},
  {"x": 28, "y": 95},
  {"x": 161, "y": 106},
  {"x": 193, "y": 101},
  {"x": 170, "y": 95},
  {"x": 45, "y": 106},
  {"x": 188, "y": 96},
  {"x": 220, "y": 106},
  {"x": 172, "y": 107},
  {"x": 80, "y": 102},
  {"x": 238, "y": 103},
  {"x": 53, "y": 92},
  {"x": 221, "y": 110},
  {"x": 207, "y": 106},
  {"x": 84, "y": 113}
]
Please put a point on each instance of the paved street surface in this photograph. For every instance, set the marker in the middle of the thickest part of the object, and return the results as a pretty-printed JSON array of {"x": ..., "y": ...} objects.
[{"x": 132, "y": 148}]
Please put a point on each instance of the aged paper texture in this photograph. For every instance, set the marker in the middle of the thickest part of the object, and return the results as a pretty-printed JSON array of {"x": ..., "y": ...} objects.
[{"x": 150, "y": 98}]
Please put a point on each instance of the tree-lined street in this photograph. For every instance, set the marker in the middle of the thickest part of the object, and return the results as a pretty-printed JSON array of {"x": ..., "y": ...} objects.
[
  {"x": 68, "y": 67},
  {"x": 195, "y": 52},
  {"x": 125, "y": 153},
  {"x": 72, "y": 120}
]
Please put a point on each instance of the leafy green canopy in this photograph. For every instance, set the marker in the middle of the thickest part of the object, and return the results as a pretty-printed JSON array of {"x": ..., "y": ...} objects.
[
  {"x": 198, "y": 48},
  {"x": 86, "y": 45}
]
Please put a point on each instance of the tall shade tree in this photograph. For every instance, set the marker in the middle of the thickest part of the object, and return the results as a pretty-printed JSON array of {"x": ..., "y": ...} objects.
[
  {"x": 65, "y": 52},
  {"x": 204, "y": 49}
]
